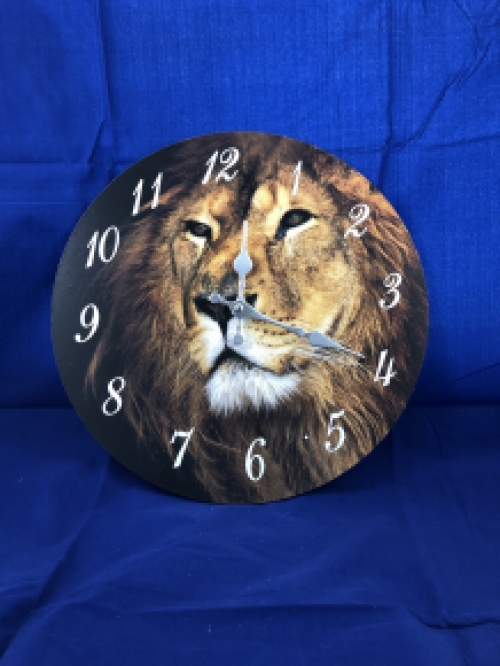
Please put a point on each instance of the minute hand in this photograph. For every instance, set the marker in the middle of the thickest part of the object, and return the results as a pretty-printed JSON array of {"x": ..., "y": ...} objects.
[{"x": 243, "y": 310}]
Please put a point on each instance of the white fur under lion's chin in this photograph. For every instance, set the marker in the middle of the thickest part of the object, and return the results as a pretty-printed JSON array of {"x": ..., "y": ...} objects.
[{"x": 235, "y": 387}]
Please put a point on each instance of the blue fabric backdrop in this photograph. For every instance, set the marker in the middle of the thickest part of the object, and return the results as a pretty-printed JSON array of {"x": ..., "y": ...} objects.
[{"x": 397, "y": 562}]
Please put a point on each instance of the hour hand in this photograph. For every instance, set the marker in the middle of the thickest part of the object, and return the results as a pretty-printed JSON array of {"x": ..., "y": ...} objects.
[
  {"x": 243, "y": 263},
  {"x": 244, "y": 310}
]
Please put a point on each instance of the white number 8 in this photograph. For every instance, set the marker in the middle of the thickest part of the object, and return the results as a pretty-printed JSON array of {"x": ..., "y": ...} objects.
[{"x": 114, "y": 396}]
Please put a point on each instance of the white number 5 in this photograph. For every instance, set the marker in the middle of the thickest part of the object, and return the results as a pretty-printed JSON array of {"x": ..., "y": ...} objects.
[{"x": 332, "y": 428}]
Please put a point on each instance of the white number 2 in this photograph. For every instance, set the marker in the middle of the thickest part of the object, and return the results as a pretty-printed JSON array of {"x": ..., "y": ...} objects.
[
  {"x": 252, "y": 458},
  {"x": 114, "y": 396},
  {"x": 182, "y": 450},
  {"x": 358, "y": 214},
  {"x": 332, "y": 428}
]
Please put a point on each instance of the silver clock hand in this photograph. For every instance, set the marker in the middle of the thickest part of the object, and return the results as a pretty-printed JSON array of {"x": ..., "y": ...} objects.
[
  {"x": 243, "y": 263},
  {"x": 242, "y": 266},
  {"x": 243, "y": 310}
]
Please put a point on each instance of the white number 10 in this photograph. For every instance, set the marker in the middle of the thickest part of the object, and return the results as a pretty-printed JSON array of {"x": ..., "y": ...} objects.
[{"x": 103, "y": 255}]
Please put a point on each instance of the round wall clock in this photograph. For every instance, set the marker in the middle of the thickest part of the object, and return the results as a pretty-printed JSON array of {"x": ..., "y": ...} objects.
[{"x": 239, "y": 317}]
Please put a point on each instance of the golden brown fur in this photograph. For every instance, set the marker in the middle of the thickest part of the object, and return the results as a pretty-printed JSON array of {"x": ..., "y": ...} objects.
[{"x": 316, "y": 279}]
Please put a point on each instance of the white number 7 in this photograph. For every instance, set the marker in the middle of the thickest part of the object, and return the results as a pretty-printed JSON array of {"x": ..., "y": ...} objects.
[{"x": 182, "y": 450}]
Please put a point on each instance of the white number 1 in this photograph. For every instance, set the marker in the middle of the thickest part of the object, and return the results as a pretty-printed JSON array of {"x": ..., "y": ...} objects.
[
  {"x": 156, "y": 186},
  {"x": 137, "y": 197},
  {"x": 296, "y": 173}
]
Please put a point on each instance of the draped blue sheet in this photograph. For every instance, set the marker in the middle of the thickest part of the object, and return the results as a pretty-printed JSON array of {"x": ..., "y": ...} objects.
[{"x": 396, "y": 562}]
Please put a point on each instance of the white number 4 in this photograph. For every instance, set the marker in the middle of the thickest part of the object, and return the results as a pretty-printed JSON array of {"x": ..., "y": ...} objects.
[
  {"x": 385, "y": 379},
  {"x": 182, "y": 450}
]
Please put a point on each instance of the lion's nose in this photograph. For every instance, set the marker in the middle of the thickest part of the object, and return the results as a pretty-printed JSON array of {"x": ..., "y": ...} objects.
[{"x": 218, "y": 311}]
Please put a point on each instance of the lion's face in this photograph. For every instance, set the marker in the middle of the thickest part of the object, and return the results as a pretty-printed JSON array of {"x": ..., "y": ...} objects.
[{"x": 301, "y": 276}]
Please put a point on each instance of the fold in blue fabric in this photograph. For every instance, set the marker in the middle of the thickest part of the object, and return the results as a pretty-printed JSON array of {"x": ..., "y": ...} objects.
[{"x": 396, "y": 562}]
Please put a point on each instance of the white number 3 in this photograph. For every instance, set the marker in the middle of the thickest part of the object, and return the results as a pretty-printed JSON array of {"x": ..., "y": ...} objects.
[{"x": 391, "y": 282}]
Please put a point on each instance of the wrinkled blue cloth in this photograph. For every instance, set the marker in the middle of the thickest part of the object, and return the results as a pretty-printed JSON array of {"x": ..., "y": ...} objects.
[{"x": 396, "y": 562}]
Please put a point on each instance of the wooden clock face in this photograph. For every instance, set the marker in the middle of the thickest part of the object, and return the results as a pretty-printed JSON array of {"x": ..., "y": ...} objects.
[{"x": 239, "y": 317}]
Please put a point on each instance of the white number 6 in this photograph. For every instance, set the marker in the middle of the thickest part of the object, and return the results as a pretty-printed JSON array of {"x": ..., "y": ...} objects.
[{"x": 255, "y": 457}]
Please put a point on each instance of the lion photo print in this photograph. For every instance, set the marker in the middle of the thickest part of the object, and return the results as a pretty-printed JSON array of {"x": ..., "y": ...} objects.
[{"x": 276, "y": 416}]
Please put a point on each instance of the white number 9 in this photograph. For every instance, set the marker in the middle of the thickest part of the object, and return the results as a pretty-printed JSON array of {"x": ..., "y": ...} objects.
[{"x": 93, "y": 324}]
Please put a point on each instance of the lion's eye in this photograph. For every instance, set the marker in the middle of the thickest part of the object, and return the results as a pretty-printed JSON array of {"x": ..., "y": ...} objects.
[
  {"x": 199, "y": 229},
  {"x": 291, "y": 219}
]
